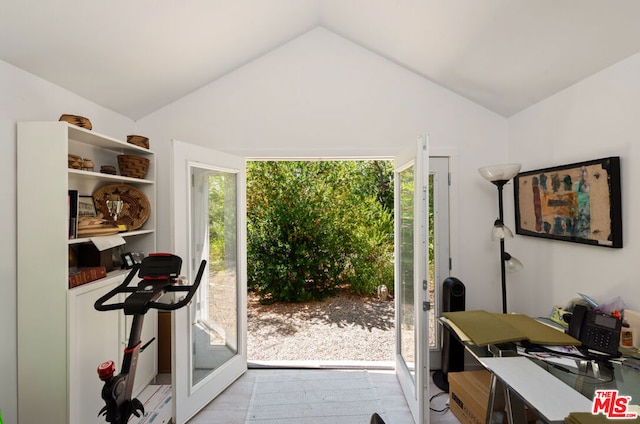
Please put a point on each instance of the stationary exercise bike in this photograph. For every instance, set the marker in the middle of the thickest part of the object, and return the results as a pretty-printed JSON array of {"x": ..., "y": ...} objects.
[{"x": 159, "y": 275}]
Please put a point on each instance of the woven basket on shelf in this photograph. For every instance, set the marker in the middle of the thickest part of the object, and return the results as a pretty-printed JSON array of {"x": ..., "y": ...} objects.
[
  {"x": 136, "y": 208},
  {"x": 78, "y": 121},
  {"x": 133, "y": 166},
  {"x": 108, "y": 169},
  {"x": 74, "y": 161},
  {"x": 138, "y": 140}
]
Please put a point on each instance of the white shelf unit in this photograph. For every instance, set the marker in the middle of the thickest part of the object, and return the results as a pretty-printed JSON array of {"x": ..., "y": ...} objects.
[{"x": 61, "y": 338}]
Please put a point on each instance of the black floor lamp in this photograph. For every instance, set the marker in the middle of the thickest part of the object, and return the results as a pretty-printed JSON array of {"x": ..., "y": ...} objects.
[{"x": 499, "y": 175}]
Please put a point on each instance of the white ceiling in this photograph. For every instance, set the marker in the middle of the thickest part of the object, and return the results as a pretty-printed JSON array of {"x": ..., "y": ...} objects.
[{"x": 135, "y": 57}]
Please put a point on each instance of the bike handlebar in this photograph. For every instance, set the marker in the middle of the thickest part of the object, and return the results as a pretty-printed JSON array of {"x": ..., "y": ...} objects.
[
  {"x": 191, "y": 291},
  {"x": 143, "y": 296}
]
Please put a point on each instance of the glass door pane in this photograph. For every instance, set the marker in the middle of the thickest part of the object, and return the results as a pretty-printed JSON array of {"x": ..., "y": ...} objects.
[
  {"x": 438, "y": 243},
  {"x": 407, "y": 321},
  {"x": 214, "y": 238}
]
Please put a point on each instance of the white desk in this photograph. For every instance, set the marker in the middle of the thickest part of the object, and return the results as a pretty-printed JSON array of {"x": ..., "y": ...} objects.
[{"x": 548, "y": 397}]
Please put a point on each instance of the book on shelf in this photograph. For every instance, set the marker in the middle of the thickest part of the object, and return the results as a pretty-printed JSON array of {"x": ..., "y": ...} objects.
[
  {"x": 72, "y": 212},
  {"x": 84, "y": 275}
]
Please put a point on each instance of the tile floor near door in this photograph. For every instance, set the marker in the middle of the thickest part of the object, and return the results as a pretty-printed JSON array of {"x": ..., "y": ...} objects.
[{"x": 232, "y": 404}]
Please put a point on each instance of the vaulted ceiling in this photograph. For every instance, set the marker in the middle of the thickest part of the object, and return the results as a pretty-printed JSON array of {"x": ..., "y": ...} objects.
[{"x": 135, "y": 57}]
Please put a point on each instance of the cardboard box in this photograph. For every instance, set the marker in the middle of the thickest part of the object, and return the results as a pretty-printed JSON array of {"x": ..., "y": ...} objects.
[
  {"x": 90, "y": 256},
  {"x": 469, "y": 395}
]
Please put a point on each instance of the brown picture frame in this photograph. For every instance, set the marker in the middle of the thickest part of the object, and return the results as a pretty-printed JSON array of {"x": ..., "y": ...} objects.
[
  {"x": 580, "y": 202},
  {"x": 86, "y": 206}
]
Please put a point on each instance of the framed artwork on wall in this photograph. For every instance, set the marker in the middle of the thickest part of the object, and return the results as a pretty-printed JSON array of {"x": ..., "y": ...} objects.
[{"x": 579, "y": 202}]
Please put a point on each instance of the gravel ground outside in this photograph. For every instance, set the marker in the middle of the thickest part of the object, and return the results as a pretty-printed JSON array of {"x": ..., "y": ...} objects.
[{"x": 340, "y": 328}]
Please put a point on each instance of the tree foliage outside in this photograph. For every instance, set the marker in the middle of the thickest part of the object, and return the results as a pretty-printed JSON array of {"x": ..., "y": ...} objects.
[
  {"x": 314, "y": 227},
  {"x": 217, "y": 220}
]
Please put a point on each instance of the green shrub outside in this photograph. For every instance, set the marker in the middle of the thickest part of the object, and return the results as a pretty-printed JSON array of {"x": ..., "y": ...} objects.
[{"x": 314, "y": 227}]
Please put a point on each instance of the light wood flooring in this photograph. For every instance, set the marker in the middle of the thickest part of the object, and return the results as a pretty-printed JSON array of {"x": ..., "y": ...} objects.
[{"x": 231, "y": 406}]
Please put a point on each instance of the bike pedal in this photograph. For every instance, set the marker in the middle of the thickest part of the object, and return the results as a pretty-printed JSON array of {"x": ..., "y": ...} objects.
[{"x": 137, "y": 406}]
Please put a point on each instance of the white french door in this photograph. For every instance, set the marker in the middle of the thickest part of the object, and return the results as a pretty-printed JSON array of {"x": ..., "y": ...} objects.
[
  {"x": 411, "y": 276},
  {"x": 438, "y": 268},
  {"x": 208, "y": 223}
]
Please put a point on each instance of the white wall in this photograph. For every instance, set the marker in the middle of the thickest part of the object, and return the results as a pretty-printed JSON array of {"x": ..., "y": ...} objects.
[
  {"x": 27, "y": 98},
  {"x": 596, "y": 118},
  {"x": 322, "y": 96}
]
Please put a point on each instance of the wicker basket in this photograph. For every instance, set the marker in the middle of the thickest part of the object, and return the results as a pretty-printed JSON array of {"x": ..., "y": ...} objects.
[
  {"x": 136, "y": 208},
  {"x": 74, "y": 161},
  {"x": 108, "y": 169},
  {"x": 133, "y": 166},
  {"x": 78, "y": 121},
  {"x": 138, "y": 140}
]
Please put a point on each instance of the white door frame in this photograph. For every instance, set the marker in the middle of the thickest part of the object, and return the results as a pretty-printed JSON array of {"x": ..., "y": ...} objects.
[
  {"x": 190, "y": 397},
  {"x": 415, "y": 385}
]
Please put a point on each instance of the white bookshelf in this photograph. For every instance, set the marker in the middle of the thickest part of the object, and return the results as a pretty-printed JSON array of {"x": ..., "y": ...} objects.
[{"x": 61, "y": 338}]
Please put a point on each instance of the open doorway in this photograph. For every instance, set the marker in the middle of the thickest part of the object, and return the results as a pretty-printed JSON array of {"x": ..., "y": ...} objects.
[
  {"x": 345, "y": 326},
  {"x": 320, "y": 261}
]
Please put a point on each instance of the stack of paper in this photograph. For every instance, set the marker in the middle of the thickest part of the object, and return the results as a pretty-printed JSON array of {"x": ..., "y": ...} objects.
[{"x": 484, "y": 328}]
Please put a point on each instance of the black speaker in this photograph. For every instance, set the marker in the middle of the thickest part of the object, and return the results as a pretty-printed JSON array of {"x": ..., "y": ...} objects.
[
  {"x": 452, "y": 295},
  {"x": 453, "y": 299}
]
